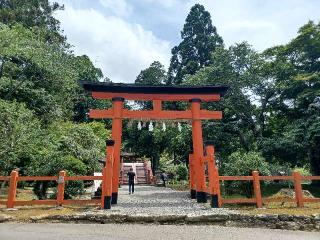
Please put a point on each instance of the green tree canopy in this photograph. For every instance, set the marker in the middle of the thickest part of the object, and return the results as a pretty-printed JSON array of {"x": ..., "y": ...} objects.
[{"x": 199, "y": 40}]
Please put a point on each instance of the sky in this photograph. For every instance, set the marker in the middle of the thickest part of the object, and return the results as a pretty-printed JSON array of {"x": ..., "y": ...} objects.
[{"x": 123, "y": 37}]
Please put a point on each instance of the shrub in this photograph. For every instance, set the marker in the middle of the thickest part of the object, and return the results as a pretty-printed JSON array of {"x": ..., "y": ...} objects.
[
  {"x": 242, "y": 164},
  {"x": 181, "y": 172}
]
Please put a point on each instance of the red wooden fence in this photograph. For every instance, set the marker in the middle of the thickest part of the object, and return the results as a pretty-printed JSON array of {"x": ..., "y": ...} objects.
[
  {"x": 61, "y": 179},
  {"x": 296, "y": 178}
]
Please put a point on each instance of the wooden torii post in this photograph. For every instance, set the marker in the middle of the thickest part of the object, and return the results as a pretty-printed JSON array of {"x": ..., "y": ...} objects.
[{"x": 157, "y": 94}]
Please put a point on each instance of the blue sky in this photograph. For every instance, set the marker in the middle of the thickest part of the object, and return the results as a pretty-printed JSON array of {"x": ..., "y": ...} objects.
[{"x": 122, "y": 37}]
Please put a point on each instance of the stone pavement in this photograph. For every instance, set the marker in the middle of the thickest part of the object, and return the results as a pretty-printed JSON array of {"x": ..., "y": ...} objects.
[{"x": 161, "y": 201}]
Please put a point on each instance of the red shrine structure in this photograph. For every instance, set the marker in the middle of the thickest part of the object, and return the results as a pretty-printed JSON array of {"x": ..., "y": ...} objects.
[{"x": 157, "y": 94}]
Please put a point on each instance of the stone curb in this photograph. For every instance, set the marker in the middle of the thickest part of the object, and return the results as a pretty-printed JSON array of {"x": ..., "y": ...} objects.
[
  {"x": 272, "y": 221},
  {"x": 5, "y": 218}
]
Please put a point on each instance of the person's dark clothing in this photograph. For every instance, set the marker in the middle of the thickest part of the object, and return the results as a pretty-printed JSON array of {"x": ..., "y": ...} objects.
[
  {"x": 131, "y": 176},
  {"x": 164, "y": 178},
  {"x": 131, "y": 187}
]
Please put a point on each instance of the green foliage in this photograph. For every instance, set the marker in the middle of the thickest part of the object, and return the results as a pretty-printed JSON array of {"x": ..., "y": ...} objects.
[
  {"x": 75, "y": 148},
  {"x": 182, "y": 172},
  {"x": 153, "y": 75},
  {"x": 304, "y": 171},
  {"x": 20, "y": 135},
  {"x": 73, "y": 188},
  {"x": 242, "y": 164},
  {"x": 176, "y": 172},
  {"x": 165, "y": 162},
  {"x": 199, "y": 40},
  {"x": 36, "y": 14}
]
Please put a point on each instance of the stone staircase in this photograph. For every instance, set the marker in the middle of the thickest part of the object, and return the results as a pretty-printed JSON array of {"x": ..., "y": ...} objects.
[{"x": 142, "y": 170}]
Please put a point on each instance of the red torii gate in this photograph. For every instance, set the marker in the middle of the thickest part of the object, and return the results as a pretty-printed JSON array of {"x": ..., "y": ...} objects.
[{"x": 119, "y": 92}]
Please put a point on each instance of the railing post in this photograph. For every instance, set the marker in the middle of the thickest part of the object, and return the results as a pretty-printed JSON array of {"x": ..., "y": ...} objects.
[
  {"x": 193, "y": 191},
  {"x": 12, "y": 189},
  {"x": 107, "y": 187},
  {"x": 217, "y": 185},
  {"x": 257, "y": 189},
  {"x": 298, "y": 188},
  {"x": 214, "y": 182},
  {"x": 61, "y": 186}
]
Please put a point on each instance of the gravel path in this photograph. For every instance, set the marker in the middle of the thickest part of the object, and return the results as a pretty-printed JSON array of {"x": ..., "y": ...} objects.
[{"x": 161, "y": 201}]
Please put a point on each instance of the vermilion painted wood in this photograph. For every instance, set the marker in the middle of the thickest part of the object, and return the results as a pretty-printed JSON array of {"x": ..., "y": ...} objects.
[
  {"x": 157, "y": 105},
  {"x": 237, "y": 178},
  {"x": 271, "y": 178},
  {"x": 211, "y": 168},
  {"x": 38, "y": 178},
  {"x": 311, "y": 200},
  {"x": 191, "y": 173},
  {"x": 61, "y": 185},
  {"x": 116, "y": 135},
  {"x": 163, "y": 97},
  {"x": 204, "y": 159},
  {"x": 12, "y": 192},
  {"x": 3, "y": 202},
  {"x": 35, "y": 202},
  {"x": 268, "y": 200},
  {"x": 197, "y": 142},
  {"x": 4, "y": 178},
  {"x": 310, "y": 177},
  {"x": 80, "y": 202},
  {"x": 298, "y": 188},
  {"x": 83, "y": 178},
  {"x": 256, "y": 188},
  {"x": 157, "y": 115},
  {"x": 239, "y": 200},
  {"x": 110, "y": 161}
]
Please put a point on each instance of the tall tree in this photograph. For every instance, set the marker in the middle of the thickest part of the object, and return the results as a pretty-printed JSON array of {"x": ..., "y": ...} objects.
[
  {"x": 37, "y": 14},
  {"x": 297, "y": 109},
  {"x": 155, "y": 74},
  {"x": 199, "y": 40}
]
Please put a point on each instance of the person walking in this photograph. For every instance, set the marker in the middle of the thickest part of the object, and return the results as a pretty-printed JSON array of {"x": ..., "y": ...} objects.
[
  {"x": 164, "y": 178},
  {"x": 131, "y": 174}
]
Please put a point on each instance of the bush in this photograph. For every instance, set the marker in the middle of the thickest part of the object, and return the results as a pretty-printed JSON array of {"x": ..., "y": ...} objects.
[
  {"x": 304, "y": 171},
  {"x": 181, "y": 172},
  {"x": 242, "y": 164}
]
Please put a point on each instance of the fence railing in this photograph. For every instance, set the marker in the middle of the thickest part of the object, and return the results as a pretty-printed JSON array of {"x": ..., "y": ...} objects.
[
  {"x": 61, "y": 179},
  {"x": 257, "y": 198}
]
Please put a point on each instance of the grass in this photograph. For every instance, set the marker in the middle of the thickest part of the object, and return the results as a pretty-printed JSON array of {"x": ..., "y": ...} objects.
[{"x": 277, "y": 208}]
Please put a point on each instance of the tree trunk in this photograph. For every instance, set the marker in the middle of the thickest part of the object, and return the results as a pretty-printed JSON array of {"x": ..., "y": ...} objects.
[{"x": 40, "y": 189}]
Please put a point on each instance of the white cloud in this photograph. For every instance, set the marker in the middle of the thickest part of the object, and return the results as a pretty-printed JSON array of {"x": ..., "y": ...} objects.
[
  {"x": 164, "y": 3},
  {"x": 119, "y": 48},
  {"x": 262, "y": 23},
  {"x": 118, "y": 7}
]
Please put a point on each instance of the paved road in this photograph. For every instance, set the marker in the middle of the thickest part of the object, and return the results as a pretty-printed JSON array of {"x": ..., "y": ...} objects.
[{"x": 9, "y": 231}]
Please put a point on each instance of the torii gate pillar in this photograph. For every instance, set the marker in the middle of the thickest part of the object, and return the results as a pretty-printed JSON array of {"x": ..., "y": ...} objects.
[
  {"x": 198, "y": 151},
  {"x": 116, "y": 136}
]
